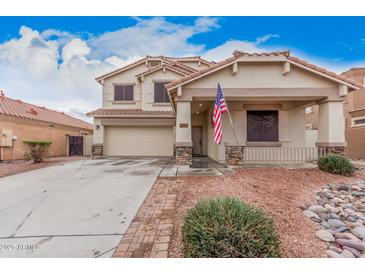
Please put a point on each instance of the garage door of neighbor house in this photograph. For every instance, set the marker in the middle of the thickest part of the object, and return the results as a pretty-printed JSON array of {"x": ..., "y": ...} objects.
[{"x": 143, "y": 141}]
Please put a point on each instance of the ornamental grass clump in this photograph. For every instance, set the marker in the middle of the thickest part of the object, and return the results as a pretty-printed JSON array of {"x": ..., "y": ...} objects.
[
  {"x": 38, "y": 150},
  {"x": 227, "y": 228},
  {"x": 336, "y": 164}
]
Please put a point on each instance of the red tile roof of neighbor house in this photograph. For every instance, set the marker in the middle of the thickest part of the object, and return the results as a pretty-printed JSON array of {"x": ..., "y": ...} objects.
[
  {"x": 132, "y": 113},
  {"x": 238, "y": 54},
  {"x": 20, "y": 109}
]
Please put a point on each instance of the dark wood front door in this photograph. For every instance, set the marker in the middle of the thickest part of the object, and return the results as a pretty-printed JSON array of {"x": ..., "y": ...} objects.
[
  {"x": 197, "y": 140},
  {"x": 76, "y": 144},
  {"x": 262, "y": 126}
]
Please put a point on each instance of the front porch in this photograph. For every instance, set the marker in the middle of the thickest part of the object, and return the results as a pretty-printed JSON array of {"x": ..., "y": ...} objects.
[
  {"x": 268, "y": 132},
  {"x": 267, "y": 94}
]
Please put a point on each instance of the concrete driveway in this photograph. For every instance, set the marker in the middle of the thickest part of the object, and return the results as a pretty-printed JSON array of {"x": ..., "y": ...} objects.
[{"x": 78, "y": 209}]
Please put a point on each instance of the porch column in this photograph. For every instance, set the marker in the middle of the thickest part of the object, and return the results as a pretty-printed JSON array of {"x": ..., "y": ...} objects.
[
  {"x": 183, "y": 144},
  {"x": 331, "y": 127}
]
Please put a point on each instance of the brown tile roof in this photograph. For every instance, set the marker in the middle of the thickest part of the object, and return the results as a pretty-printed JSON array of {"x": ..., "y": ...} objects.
[
  {"x": 184, "y": 58},
  {"x": 159, "y": 67},
  {"x": 157, "y": 58},
  {"x": 172, "y": 84},
  {"x": 121, "y": 69},
  {"x": 237, "y": 54},
  {"x": 326, "y": 72},
  {"x": 132, "y": 113},
  {"x": 17, "y": 108},
  {"x": 182, "y": 65}
]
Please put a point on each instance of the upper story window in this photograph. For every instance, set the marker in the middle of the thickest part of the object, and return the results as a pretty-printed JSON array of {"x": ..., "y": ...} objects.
[
  {"x": 309, "y": 110},
  {"x": 123, "y": 93},
  {"x": 359, "y": 122},
  {"x": 161, "y": 95}
]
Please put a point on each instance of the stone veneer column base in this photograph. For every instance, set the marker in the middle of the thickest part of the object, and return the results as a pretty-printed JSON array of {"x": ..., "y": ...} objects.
[
  {"x": 234, "y": 155},
  {"x": 338, "y": 149},
  {"x": 184, "y": 153}
]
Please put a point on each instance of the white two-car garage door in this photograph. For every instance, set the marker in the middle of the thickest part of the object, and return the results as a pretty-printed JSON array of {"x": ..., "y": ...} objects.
[{"x": 143, "y": 141}]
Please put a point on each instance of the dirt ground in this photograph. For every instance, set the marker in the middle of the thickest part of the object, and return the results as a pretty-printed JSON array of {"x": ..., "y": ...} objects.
[
  {"x": 280, "y": 192},
  {"x": 11, "y": 168}
]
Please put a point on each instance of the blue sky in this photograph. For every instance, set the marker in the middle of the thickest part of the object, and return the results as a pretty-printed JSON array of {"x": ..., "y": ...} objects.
[
  {"x": 53, "y": 61},
  {"x": 333, "y": 38}
]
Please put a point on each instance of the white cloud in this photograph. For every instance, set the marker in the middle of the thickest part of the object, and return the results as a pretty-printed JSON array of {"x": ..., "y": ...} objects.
[
  {"x": 226, "y": 49},
  {"x": 204, "y": 24},
  {"x": 75, "y": 48},
  {"x": 62, "y": 37},
  {"x": 154, "y": 36},
  {"x": 263, "y": 39},
  {"x": 30, "y": 70}
]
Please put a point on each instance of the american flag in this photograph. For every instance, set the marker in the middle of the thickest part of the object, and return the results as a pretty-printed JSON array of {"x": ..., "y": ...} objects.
[{"x": 220, "y": 107}]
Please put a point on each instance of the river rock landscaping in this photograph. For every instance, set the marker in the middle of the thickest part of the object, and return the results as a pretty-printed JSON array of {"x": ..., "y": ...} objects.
[{"x": 339, "y": 212}]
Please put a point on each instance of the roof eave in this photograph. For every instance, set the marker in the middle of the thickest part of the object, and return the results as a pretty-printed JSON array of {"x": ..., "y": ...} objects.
[{"x": 324, "y": 75}]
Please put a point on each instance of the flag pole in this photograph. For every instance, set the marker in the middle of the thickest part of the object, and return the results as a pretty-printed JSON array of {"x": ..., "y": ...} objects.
[{"x": 230, "y": 120}]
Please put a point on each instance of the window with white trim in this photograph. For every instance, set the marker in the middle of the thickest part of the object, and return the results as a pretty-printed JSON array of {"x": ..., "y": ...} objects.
[
  {"x": 161, "y": 95},
  {"x": 308, "y": 110},
  {"x": 358, "y": 121},
  {"x": 123, "y": 93}
]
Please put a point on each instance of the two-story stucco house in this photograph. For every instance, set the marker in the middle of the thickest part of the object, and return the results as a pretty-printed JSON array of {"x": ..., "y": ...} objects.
[{"x": 162, "y": 106}]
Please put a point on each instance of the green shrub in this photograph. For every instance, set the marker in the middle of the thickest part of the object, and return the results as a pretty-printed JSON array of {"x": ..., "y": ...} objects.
[
  {"x": 38, "y": 150},
  {"x": 336, "y": 164},
  {"x": 227, "y": 228}
]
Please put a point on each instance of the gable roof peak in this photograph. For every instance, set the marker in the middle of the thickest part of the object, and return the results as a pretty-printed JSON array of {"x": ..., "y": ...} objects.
[{"x": 238, "y": 53}]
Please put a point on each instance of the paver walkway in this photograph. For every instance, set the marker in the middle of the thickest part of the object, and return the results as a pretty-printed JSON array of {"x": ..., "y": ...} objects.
[{"x": 150, "y": 232}]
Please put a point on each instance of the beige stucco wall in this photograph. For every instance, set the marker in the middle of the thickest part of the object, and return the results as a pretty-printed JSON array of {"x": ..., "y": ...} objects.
[
  {"x": 331, "y": 123},
  {"x": 148, "y": 87},
  {"x": 183, "y": 116},
  {"x": 98, "y": 136},
  {"x": 268, "y": 75},
  {"x": 26, "y": 129}
]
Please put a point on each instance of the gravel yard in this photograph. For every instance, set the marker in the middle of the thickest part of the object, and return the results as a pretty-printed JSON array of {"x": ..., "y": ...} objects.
[{"x": 280, "y": 192}]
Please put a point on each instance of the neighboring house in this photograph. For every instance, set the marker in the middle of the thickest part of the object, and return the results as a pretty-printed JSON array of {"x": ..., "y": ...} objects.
[
  {"x": 20, "y": 121},
  {"x": 162, "y": 106},
  {"x": 354, "y": 112}
]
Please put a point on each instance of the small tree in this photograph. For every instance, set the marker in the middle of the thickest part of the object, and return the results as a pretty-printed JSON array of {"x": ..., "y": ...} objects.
[{"x": 38, "y": 150}]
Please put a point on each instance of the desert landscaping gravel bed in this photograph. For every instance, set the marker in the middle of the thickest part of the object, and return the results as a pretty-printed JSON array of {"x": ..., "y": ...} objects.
[
  {"x": 339, "y": 213},
  {"x": 280, "y": 192}
]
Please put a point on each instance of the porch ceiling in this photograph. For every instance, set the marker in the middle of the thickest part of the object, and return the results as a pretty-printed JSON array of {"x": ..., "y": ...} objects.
[
  {"x": 201, "y": 106},
  {"x": 198, "y": 107}
]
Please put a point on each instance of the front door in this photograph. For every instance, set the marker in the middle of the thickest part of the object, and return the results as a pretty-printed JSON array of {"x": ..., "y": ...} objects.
[
  {"x": 197, "y": 140},
  {"x": 76, "y": 145},
  {"x": 262, "y": 126}
]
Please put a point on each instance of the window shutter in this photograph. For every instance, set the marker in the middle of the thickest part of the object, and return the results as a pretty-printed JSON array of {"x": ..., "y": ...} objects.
[
  {"x": 159, "y": 92},
  {"x": 118, "y": 93},
  {"x": 128, "y": 93}
]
